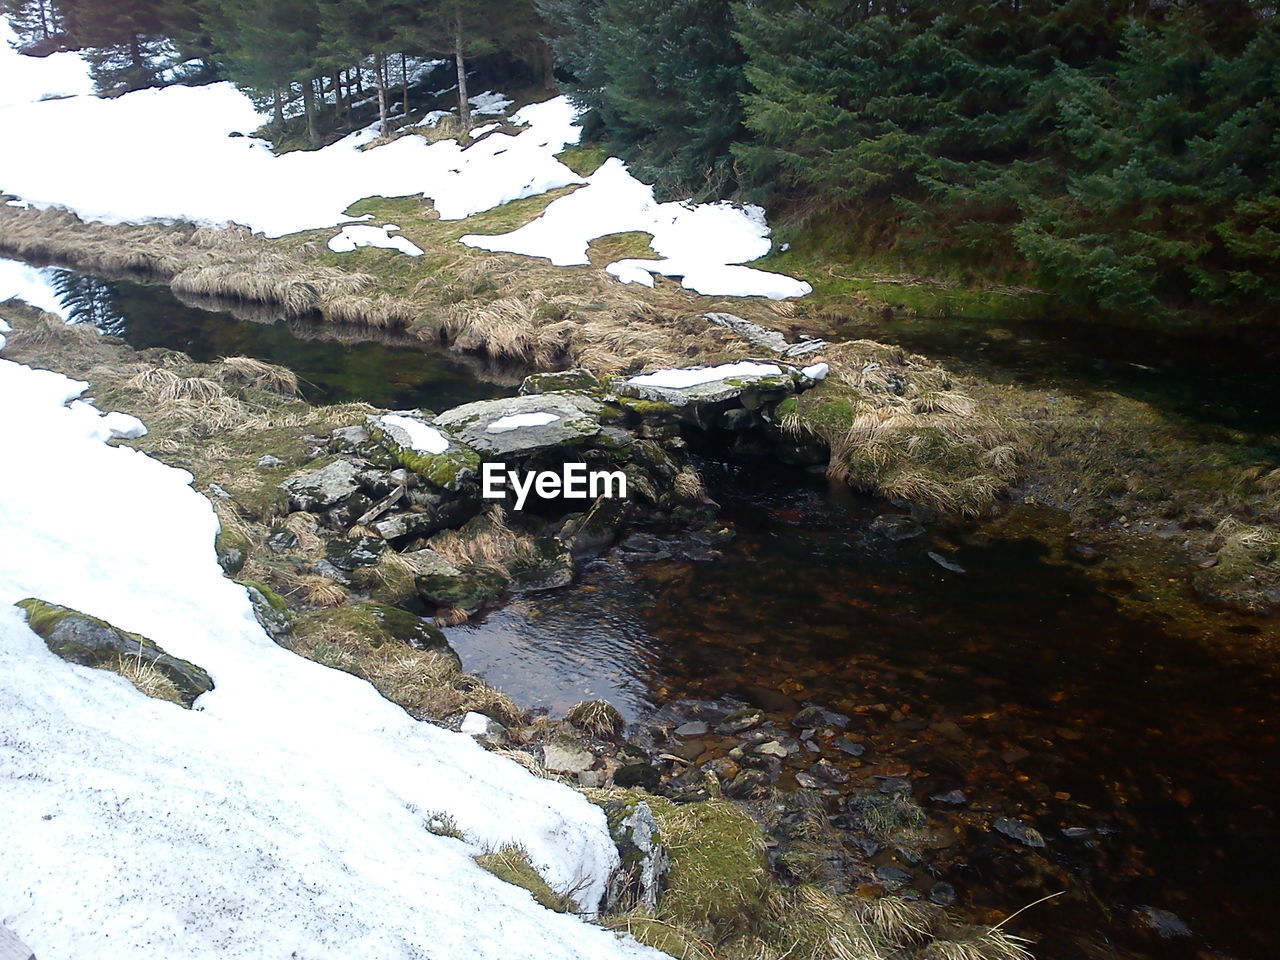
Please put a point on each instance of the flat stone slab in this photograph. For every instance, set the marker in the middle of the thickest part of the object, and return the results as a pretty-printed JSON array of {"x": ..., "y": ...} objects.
[
  {"x": 325, "y": 487},
  {"x": 765, "y": 337},
  {"x": 427, "y": 450},
  {"x": 516, "y": 427},
  {"x": 688, "y": 386}
]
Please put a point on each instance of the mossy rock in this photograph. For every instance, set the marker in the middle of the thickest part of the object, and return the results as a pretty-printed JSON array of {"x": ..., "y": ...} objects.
[
  {"x": 576, "y": 380},
  {"x": 232, "y": 549},
  {"x": 91, "y": 642},
  {"x": 468, "y": 590},
  {"x": 270, "y": 610},
  {"x": 451, "y": 470},
  {"x": 378, "y": 625}
]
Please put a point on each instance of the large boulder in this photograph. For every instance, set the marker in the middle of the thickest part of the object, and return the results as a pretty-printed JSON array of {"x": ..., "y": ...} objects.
[
  {"x": 515, "y": 428},
  {"x": 90, "y": 642},
  {"x": 424, "y": 448},
  {"x": 691, "y": 386}
]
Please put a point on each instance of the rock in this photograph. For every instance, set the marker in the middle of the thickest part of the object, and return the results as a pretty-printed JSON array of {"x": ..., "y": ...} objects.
[
  {"x": 590, "y": 779},
  {"x": 748, "y": 785},
  {"x": 751, "y": 384},
  {"x": 551, "y": 567},
  {"x": 851, "y": 747},
  {"x": 431, "y": 514},
  {"x": 689, "y": 750},
  {"x": 315, "y": 490},
  {"x": 90, "y": 642},
  {"x": 515, "y": 428},
  {"x": 352, "y": 552},
  {"x": 813, "y": 716},
  {"x": 428, "y": 450},
  {"x": 269, "y": 462},
  {"x": 829, "y": 772},
  {"x": 809, "y": 782},
  {"x": 637, "y": 775},
  {"x": 232, "y": 548},
  {"x": 945, "y": 563},
  {"x": 270, "y": 610},
  {"x": 638, "y": 878},
  {"x": 380, "y": 624},
  {"x": 766, "y": 698},
  {"x": 565, "y": 755},
  {"x": 1077, "y": 833},
  {"x": 576, "y": 380},
  {"x": 895, "y": 527},
  {"x": 1164, "y": 923},
  {"x": 694, "y": 728},
  {"x": 942, "y": 893},
  {"x": 1019, "y": 831},
  {"x": 893, "y": 876},
  {"x": 485, "y": 729},
  {"x": 949, "y": 729},
  {"x": 953, "y": 798},
  {"x": 444, "y": 585},
  {"x": 740, "y": 721},
  {"x": 348, "y": 439}
]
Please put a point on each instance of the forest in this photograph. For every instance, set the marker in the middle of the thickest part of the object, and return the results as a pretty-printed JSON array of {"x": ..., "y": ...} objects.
[{"x": 1124, "y": 156}]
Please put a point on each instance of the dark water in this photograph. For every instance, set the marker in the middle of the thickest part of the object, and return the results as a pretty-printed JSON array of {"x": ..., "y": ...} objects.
[
  {"x": 1099, "y": 697},
  {"x": 1083, "y": 699},
  {"x": 385, "y": 374}
]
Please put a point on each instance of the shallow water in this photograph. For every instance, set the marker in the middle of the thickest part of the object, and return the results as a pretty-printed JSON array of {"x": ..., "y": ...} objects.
[{"x": 1081, "y": 701}]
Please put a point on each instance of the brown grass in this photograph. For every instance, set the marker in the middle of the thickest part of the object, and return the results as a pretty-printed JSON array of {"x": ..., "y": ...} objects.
[{"x": 487, "y": 543}]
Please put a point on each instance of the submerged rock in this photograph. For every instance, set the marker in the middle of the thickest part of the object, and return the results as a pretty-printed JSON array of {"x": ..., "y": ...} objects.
[{"x": 90, "y": 642}]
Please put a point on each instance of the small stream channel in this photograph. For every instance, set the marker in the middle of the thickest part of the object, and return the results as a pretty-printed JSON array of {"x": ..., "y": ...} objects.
[{"x": 1097, "y": 699}]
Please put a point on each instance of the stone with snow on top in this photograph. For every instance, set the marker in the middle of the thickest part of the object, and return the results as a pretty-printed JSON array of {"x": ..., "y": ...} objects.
[
  {"x": 425, "y": 449},
  {"x": 522, "y": 426},
  {"x": 689, "y": 386}
]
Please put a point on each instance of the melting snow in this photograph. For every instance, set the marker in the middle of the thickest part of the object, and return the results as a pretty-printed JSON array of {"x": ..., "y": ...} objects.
[
  {"x": 287, "y": 814},
  {"x": 421, "y": 436},
  {"x": 352, "y": 237},
  {"x": 693, "y": 376},
  {"x": 29, "y": 284},
  {"x": 700, "y": 242},
  {"x": 518, "y": 420}
]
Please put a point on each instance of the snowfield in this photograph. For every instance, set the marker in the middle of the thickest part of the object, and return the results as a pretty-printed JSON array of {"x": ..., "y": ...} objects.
[
  {"x": 284, "y": 816},
  {"x": 182, "y": 153}
]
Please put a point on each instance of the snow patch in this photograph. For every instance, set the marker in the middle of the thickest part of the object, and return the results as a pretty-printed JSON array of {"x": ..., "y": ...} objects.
[
  {"x": 517, "y": 420},
  {"x": 352, "y": 237},
  {"x": 30, "y": 285},
  {"x": 681, "y": 379},
  {"x": 817, "y": 371},
  {"x": 422, "y": 437},
  {"x": 489, "y": 103},
  {"x": 288, "y": 813},
  {"x": 702, "y": 243}
]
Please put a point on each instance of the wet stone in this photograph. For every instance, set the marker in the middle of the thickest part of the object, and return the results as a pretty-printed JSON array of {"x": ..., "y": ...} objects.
[
  {"x": 740, "y": 722},
  {"x": 694, "y": 728},
  {"x": 951, "y": 797},
  {"x": 809, "y": 782},
  {"x": 813, "y": 716},
  {"x": 829, "y": 772},
  {"x": 893, "y": 876},
  {"x": 637, "y": 775},
  {"x": 747, "y": 785},
  {"x": 942, "y": 893},
  {"x": 1019, "y": 831},
  {"x": 889, "y": 785},
  {"x": 850, "y": 747}
]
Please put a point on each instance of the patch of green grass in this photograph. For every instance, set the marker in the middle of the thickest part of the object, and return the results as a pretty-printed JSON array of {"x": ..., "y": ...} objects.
[
  {"x": 511, "y": 865},
  {"x": 583, "y": 159}
]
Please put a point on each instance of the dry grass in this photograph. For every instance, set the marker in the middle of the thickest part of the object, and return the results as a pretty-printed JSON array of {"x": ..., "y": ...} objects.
[
  {"x": 149, "y": 681},
  {"x": 487, "y": 543},
  {"x": 688, "y": 485},
  {"x": 596, "y": 718},
  {"x": 263, "y": 376},
  {"x": 895, "y": 425},
  {"x": 429, "y": 685},
  {"x": 511, "y": 864}
]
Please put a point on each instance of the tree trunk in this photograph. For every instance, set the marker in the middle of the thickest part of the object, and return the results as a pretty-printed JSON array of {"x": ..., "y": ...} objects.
[
  {"x": 464, "y": 108},
  {"x": 380, "y": 77},
  {"x": 309, "y": 108},
  {"x": 277, "y": 108},
  {"x": 404, "y": 83},
  {"x": 336, "y": 80}
]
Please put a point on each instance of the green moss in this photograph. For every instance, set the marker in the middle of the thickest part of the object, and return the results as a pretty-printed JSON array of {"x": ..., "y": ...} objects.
[
  {"x": 42, "y": 617},
  {"x": 511, "y": 865},
  {"x": 376, "y": 625},
  {"x": 648, "y": 409},
  {"x": 583, "y": 160},
  {"x": 274, "y": 599}
]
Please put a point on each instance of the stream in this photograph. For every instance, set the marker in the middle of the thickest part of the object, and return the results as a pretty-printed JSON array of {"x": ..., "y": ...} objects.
[{"x": 1094, "y": 697}]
